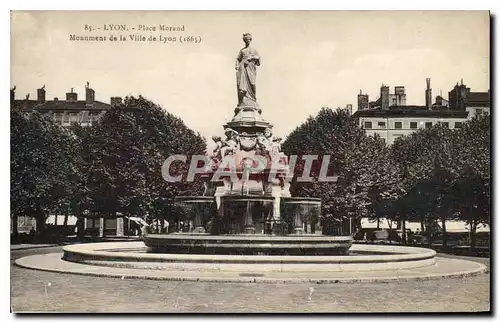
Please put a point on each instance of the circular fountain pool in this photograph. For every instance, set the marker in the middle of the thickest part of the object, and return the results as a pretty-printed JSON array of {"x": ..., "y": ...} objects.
[{"x": 130, "y": 260}]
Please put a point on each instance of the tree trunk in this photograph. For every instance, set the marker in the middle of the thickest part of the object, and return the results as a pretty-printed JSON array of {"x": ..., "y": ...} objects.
[
  {"x": 15, "y": 232},
  {"x": 389, "y": 223},
  {"x": 378, "y": 223},
  {"x": 445, "y": 233},
  {"x": 40, "y": 224},
  {"x": 473, "y": 227},
  {"x": 65, "y": 224},
  {"x": 403, "y": 227},
  {"x": 103, "y": 225},
  {"x": 80, "y": 224},
  {"x": 428, "y": 231}
]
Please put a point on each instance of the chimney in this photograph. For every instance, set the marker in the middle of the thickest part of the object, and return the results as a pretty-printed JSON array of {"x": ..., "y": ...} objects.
[
  {"x": 89, "y": 94},
  {"x": 12, "y": 95},
  {"x": 400, "y": 95},
  {"x": 72, "y": 96},
  {"x": 40, "y": 93},
  {"x": 428, "y": 94},
  {"x": 26, "y": 101},
  {"x": 349, "y": 108},
  {"x": 362, "y": 101},
  {"x": 115, "y": 100},
  {"x": 384, "y": 96}
]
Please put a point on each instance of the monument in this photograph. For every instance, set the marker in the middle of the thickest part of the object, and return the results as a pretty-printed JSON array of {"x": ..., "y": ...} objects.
[
  {"x": 251, "y": 199},
  {"x": 246, "y": 74}
]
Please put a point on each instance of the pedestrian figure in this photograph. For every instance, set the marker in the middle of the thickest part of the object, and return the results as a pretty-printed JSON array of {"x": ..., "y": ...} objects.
[{"x": 144, "y": 230}]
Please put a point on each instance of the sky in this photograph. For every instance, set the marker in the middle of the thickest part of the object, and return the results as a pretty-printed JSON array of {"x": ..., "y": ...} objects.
[{"x": 309, "y": 59}]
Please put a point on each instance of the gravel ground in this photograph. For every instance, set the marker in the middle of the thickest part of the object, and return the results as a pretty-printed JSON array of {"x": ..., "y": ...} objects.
[{"x": 37, "y": 291}]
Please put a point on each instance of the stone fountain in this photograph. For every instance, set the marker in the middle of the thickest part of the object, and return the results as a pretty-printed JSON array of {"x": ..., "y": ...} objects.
[{"x": 247, "y": 199}]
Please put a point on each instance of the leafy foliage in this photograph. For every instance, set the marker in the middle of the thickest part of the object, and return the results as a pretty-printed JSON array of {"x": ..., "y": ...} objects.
[
  {"x": 114, "y": 166},
  {"x": 432, "y": 174},
  {"x": 41, "y": 159}
]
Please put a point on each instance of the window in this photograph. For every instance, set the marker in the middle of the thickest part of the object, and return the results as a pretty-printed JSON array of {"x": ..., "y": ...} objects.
[
  {"x": 368, "y": 124},
  {"x": 446, "y": 124},
  {"x": 73, "y": 118},
  {"x": 85, "y": 117},
  {"x": 428, "y": 125},
  {"x": 398, "y": 125},
  {"x": 65, "y": 118},
  {"x": 381, "y": 124},
  {"x": 413, "y": 125},
  {"x": 58, "y": 117},
  {"x": 479, "y": 111},
  {"x": 458, "y": 125}
]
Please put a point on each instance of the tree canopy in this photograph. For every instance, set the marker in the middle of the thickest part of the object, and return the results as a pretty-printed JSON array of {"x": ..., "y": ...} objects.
[
  {"x": 432, "y": 174},
  {"x": 111, "y": 167}
]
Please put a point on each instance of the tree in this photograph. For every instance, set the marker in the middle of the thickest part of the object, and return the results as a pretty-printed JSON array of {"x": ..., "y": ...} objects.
[
  {"x": 424, "y": 159},
  {"x": 40, "y": 162},
  {"x": 472, "y": 186},
  {"x": 362, "y": 164},
  {"x": 129, "y": 146},
  {"x": 445, "y": 174}
]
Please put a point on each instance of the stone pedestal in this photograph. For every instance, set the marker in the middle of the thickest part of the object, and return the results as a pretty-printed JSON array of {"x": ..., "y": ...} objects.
[
  {"x": 119, "y": 227},
  {"x": 298, "y": 226},
  {"x": 248, "y": 219},
  {"x": 198, "y": 223},
  {"x": 218, "y": 200},
  {"x": 101, "y": 227}
]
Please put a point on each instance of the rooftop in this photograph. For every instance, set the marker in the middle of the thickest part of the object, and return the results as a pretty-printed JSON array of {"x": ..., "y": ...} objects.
[
  {"x": 55, "y": 105},
  {"x": 411, "y": 111}
]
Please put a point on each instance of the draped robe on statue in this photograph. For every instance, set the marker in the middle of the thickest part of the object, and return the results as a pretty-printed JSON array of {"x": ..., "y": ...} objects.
[{"x": 248, "y": 60}]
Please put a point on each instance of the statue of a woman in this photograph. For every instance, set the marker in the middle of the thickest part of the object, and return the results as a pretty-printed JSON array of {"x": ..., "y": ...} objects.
[{"x": 246, "y": 67}]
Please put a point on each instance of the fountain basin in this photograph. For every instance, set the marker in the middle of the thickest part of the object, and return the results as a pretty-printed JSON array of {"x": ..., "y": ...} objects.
[
  {"x": 247, "y": 244},
  {"x": 198, "y": 209},
  {"x": 301, "y": 214},
  {"x": 245, "y": 214},
  {"x": 383, "y": 258}
]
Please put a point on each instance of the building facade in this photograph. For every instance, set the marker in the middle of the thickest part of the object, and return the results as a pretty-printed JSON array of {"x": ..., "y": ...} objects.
[
  {"x": 66, "y": 112},
  {"x": 462, "y": 99},
  {"x": 390, "y": 117},
  {"x": 400, "y": 121}
]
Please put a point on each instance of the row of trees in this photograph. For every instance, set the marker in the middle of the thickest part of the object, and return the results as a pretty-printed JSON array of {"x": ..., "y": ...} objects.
[
  {"x": 114, "y": 167},
  {"x": 432, "y": 175},
  {"x": 109, "y": 168}
]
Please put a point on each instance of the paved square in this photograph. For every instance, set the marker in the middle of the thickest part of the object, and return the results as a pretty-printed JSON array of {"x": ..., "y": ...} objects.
[{"x": 74, "y": 293}]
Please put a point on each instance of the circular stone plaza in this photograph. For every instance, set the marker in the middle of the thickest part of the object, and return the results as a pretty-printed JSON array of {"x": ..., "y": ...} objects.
[
  {"x": 123, "y": 277},
  {"x": 365, "y": 263}
]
